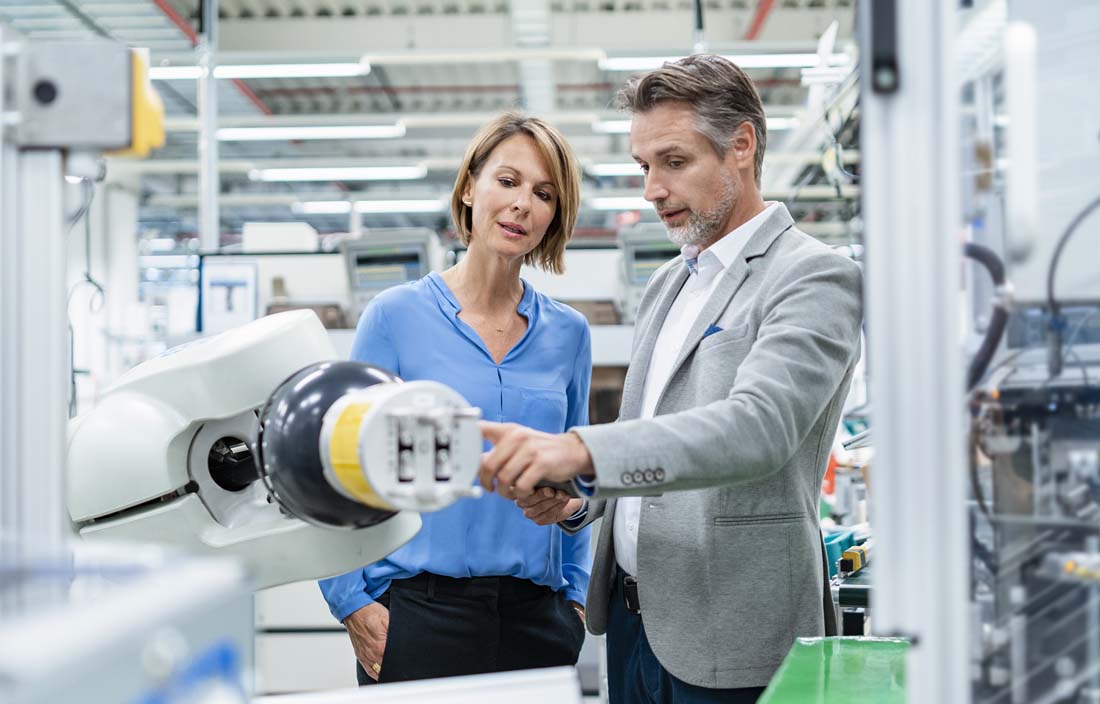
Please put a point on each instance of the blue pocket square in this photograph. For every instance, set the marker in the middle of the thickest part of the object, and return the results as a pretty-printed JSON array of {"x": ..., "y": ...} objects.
[{"x": 711, "y": 330}]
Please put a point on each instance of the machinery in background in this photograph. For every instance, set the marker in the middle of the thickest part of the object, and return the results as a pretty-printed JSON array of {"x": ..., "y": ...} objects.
[
  {"x": 645, "y": 248},
  {"x": 1035, "y": 477},
  {"x": 385, "y": 258},
  {"x": 1034, "y": 437},
  {"x": 238, "y": 287},
  {"x": 255, "y": 443}
]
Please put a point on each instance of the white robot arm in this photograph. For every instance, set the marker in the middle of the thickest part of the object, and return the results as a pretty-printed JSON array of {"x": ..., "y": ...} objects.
[{"x": 255, "y": 443}]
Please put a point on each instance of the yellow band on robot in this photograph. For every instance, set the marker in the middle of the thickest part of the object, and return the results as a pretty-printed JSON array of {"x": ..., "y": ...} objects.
[{"x": 343, "y": 450}]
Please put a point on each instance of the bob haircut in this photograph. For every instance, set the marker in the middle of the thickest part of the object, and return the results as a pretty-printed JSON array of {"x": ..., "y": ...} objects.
[{"x": 560, "y": 162}]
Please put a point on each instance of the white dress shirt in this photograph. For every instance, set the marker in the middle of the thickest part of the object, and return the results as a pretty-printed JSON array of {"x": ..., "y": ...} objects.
[{"x": 681, "y": 316}]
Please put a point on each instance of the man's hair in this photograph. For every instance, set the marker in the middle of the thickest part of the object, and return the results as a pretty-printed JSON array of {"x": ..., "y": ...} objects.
[
  {"x": 722, "y": 96},
  {"x": 564, "y": 173}
]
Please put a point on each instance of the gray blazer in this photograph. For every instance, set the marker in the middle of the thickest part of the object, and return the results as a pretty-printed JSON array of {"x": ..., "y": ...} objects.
[{"x": 729, "y": 549}]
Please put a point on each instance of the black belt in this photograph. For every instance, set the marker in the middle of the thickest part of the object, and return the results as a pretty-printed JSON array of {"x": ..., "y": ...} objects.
[
  {"x": 469, "y": 586},
  {"x": 628, "y": 583}
]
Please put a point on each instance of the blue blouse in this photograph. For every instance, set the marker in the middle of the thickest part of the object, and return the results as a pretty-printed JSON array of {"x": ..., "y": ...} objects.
[{"x": 414, "y": 330}]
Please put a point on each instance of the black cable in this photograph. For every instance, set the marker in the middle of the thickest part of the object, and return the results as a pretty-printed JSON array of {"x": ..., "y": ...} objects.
[
  {"x": 83, "y": 212},
  {"x": 996, "y": 268},
  {"x": 975, "y": 481},
  {"x": 1054, "y": 332}
]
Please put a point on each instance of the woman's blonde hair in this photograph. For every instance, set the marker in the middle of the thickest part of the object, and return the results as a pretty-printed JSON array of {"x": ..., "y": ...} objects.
[{"x": 558, "y": 155}]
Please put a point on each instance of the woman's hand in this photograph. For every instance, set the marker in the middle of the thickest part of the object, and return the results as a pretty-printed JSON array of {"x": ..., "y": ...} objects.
[{"x": 368, "y": 628}]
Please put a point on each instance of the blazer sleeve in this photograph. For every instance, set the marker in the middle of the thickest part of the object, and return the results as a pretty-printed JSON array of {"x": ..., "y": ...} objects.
[{"x": 807, "y": 339}]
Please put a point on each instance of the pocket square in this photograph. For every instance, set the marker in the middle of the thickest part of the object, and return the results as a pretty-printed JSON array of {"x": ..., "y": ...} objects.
[{"x": 711, "y": 330}]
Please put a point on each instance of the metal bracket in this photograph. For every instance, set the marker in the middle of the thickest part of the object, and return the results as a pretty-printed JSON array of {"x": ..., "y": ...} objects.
[{"x": 883, "y": 45}]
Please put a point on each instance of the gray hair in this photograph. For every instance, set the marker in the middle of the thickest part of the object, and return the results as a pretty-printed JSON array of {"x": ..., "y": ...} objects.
[{"x": 720, "y": 93}]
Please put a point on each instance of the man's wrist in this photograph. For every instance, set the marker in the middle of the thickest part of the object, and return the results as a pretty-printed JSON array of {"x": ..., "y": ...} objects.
[{"x": 582, "y": 459}]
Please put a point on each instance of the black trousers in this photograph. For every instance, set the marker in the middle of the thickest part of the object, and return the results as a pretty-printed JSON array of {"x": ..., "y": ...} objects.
[{"x": 443, "y": 627}]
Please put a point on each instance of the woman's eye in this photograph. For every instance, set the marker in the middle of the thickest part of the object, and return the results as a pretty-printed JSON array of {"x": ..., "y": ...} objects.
[
  {"x": 544, "y": 196},
  {"x": 507, "y": 182}
]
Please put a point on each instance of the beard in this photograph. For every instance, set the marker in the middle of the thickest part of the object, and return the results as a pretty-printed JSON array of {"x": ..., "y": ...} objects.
[{"x": 704, "y": 227}]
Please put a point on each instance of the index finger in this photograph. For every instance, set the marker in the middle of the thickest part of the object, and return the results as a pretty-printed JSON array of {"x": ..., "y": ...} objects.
[{"x": 492, "y": 431}]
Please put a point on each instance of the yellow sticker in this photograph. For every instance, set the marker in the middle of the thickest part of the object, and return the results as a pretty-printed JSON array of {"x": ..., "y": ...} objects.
[{"x": 343, "y": 451}]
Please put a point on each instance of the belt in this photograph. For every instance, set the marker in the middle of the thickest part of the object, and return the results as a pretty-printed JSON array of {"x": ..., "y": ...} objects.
[
  {"x": 469, "y": 586},
  {"x": 628, "y": 583}
]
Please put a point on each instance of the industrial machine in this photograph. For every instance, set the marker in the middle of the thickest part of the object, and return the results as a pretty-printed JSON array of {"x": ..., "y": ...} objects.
[
  {"x": 257, "y": 444},
  {"x": 387, "y": 257},
  {"x": 253, "y": 444},
  {"x": 986, "y": 496},
  {"x": 644, "y": 248}
]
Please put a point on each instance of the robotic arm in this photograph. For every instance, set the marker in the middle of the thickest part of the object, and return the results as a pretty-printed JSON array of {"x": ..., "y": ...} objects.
[{"x": 253, "y": 443}]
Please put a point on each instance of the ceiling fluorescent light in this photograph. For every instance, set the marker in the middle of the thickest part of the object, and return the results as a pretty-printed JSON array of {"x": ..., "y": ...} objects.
[
  {"x": 648, "y": 63},
  {"x": 625, "y": 169},
  {"x": 398, "y": 206},
  {"x": 339, "y": 207},
  {"x": 341, "y": 173},
  {"x": 620, "y": 203},
  {"x": 623, "y": 126},
  {"x": 611, "y": 126},
  {"x": 782, "y": 123},
  {"x": 227, "y": 71},
  {"x": 338, "y": 70},
  {"x": 175, "y": 73},
  {"x": 482, "y": 56},
  {"x": 260, "y": 134},
  {"x": 322, "y": 207}
]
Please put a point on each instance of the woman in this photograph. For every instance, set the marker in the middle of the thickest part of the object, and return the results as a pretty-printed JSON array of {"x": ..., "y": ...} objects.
[{"x": 481, "y": 588}]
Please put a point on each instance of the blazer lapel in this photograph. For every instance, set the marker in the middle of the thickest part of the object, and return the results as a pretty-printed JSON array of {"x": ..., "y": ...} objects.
[
  {"x": 634, "y": 384},
  {"x": 732, "y": 278}
]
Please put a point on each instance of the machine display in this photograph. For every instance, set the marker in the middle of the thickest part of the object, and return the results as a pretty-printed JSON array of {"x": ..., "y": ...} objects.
[
  {"x": 385, "y": 258},
  {"x": 645, "y": 247},
  {"x": 254, "y": 443}
]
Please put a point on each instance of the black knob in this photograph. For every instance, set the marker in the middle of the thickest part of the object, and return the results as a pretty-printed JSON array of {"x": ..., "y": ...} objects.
[{"x": 45, "y": 92}]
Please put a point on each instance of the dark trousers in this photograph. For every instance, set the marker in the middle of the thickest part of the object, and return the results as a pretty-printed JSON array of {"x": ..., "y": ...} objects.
[
  {"x": 635, "y": 676},
  {"x": 443, "y": 627}
]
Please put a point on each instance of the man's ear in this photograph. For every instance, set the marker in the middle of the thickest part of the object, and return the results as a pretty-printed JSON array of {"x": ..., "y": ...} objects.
[{"x": 742, "y": 149}]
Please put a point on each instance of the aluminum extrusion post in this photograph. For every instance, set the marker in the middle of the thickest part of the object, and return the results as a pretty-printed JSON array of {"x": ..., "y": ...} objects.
[
  {"x": 209, "y": 178},
  {"x": 911, "y": 182}
]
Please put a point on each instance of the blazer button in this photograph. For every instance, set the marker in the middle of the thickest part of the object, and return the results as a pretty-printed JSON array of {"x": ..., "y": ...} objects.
[
  {"x": 627, "y": 479},
  {"x": 639, "y": 476},
  {"x": 659, "y": 474},
  {"x": 650, "y": 475}
]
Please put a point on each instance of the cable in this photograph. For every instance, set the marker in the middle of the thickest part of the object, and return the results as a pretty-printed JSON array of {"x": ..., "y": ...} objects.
[
  {"x": 996, "y": 268},
  {"x": 95, "y": 303},
  {"x": 1054, "y": 333}
]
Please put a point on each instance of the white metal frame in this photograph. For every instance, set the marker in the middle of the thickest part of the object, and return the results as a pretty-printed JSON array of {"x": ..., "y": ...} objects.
[
  {"x": 33, "y": 355},
  {"x": 911, "y": 210}
]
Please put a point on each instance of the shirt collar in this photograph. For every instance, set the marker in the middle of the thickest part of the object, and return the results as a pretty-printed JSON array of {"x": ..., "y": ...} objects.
[
  {"x": 725, "y": 251},
  {"x": 447, "y": 297}
]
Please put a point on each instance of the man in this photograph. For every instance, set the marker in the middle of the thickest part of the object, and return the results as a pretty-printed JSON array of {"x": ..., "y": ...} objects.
[{"x": 709, "y": 483}]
